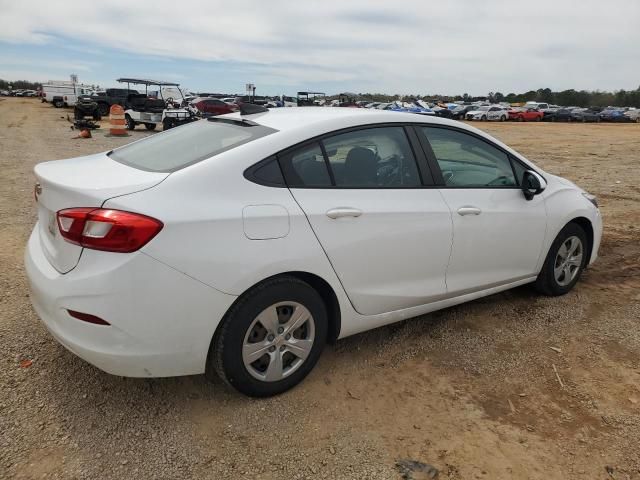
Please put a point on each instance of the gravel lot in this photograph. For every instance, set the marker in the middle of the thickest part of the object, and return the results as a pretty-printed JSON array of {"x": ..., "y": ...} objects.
[{"x": 470, "y": 390}]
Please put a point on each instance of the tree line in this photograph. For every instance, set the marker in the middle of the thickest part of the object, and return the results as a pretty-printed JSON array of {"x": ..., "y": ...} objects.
[
  {"x": 19, "y": 85},
  {"x": 571, "y": 97}
]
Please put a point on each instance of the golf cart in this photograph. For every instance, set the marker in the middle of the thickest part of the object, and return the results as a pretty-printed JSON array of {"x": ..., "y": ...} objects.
[
  {"x": 164, "y": 106},
  {"x": 310, "y": 99}
]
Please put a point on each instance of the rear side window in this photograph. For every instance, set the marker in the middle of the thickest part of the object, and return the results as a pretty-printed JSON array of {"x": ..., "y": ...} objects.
[
  {"x": 372, "y": 158},
  {"x": 266, "y": 173},
  {"x": 183, "y": 146},
  {"x": 305, "y": 167}
]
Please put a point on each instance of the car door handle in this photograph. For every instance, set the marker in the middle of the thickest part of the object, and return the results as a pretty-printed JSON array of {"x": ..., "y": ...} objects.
[
  {"x": 343, "y": 212},
  {"x": 469, "y": 211}
]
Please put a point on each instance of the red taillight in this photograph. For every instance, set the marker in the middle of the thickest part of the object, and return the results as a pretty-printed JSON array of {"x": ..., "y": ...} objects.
[
  {"x": 108, "y": 230},
  {"x": 85, "y": 317}
]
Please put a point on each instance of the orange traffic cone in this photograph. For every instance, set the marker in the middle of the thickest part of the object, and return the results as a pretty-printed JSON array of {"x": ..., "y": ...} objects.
[{"x": 116, "y": 121}]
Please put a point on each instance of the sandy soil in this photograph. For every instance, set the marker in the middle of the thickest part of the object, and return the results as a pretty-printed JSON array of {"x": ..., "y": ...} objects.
[{"x": 470, "y": 390}]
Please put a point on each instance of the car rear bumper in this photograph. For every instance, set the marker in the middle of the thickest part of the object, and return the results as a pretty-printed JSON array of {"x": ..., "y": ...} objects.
[{"x": 161, "y": 321}]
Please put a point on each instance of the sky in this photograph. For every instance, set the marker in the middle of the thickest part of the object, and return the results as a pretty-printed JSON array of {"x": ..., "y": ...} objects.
[{"x": 411, "y": 46}]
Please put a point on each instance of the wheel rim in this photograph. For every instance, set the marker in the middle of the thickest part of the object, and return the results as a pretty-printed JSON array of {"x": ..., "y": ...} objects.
[
  {"x": 278, "y": 341},
  {"x": 568, "y": 261}
]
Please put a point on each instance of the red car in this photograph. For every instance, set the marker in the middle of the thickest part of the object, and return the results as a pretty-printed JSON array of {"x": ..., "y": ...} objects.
[
  {"x": 525, "y": 114},
  {"x": 213, "y": 106}
]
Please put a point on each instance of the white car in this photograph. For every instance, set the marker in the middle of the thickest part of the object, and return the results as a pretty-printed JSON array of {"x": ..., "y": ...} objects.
[
  {"x": 241, "y": 244},
  {"x": 633, "y": 115},
  {"x": 488, "y": 112}
]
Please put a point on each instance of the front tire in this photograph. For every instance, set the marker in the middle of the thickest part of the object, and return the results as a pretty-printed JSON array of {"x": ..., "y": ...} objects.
[
  {"x": 271, "y": 338},
  {"x": 565, "y": 261},
  {"x": 104, "y": 108},
  {"x": 150, "y": 126}
]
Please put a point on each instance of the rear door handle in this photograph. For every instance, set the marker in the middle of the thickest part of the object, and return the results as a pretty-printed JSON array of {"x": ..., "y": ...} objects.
[
  {"x": 343, "y": 212},
  {"x": 469, "y": 211}
]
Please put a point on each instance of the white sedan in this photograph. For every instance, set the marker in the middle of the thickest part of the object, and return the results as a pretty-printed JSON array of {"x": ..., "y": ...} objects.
[
  {"x": 241, "y": 244},
  {"x": 489, "y": 112}
]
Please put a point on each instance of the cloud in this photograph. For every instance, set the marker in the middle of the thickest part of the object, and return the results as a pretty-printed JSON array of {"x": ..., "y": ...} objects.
[{"x": 411, "y": 46}]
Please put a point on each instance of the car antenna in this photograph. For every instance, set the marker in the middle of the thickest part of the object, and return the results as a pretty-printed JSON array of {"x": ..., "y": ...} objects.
[{"x": 250, "y": 109}]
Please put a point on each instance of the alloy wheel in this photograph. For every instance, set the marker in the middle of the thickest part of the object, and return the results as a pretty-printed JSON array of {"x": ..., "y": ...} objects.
[
  {"x": 568, "y": 261},
  {"x": 278, "y": 341}
]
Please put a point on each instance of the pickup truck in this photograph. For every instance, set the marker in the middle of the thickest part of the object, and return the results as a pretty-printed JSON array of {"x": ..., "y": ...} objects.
[{"x": 112, "y": 96}]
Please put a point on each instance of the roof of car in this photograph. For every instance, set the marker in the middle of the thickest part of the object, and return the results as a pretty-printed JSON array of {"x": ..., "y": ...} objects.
[{"x": 324, "y": 119}]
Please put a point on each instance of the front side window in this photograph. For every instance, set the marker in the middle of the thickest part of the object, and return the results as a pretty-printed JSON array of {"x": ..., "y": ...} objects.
[
  {"x": 372, "y": 158},
  {"x": 467, "y": 161}
]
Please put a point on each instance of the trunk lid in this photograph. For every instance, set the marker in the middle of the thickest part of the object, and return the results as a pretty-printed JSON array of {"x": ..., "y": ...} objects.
[{"x": 80, "y": 182}]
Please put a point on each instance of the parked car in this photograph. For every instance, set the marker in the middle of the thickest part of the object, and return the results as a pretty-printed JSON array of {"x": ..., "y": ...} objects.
[
  {"x": 585, "y": 115},
  {"x": 538, "y": 105},
  {"x": 240, "y": 245},
  {"x": 63, "y": 93},
  {"x": 461, "y": 111},
  {"x": 633, "y": 115},
  {"x": 213, "y": 106},
  {"x": 488, "y": 112},
  {"x": 112, "y": 96},
  {"x": 559, "y": 115},
  {"x": 525, "y": 114},
  {"x": 442, "y": 112},
  {"x": 613, "y": 114}
]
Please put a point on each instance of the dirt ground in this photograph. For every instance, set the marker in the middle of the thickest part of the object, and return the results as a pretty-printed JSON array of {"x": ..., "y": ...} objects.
[{"x": 470, "y": 390}]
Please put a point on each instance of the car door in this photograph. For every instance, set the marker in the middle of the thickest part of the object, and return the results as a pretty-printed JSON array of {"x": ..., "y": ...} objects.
[
  {"x": 497, "y": 233},
  {"x": 494, "y": 113},
  {"x": 368, "y": 196}
]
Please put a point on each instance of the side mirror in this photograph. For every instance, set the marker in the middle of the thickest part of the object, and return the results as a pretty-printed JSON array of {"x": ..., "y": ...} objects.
[{"x": 532, "y": 184}]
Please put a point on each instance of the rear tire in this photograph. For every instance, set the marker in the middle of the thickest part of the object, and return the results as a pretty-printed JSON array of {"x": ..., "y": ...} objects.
[
  {"x": 260, "y": 318},
  {"x": 131, "y": 125},
  {"x": 150, "y": 126},
  {"x": 167, "y": 124},
  {"x": 563, "y": 266}
]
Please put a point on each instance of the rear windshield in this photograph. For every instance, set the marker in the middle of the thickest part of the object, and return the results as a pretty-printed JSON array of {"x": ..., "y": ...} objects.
[{"x": 188, "y": 144}]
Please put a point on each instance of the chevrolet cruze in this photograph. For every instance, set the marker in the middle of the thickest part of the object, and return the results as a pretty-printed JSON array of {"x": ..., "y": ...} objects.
[{"x": 240, "y": 245}]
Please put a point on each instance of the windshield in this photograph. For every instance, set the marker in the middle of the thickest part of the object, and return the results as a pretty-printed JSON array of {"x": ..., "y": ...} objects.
[
  {"x": 182, "y": 146},
  {"x": 483, "y": 109}
]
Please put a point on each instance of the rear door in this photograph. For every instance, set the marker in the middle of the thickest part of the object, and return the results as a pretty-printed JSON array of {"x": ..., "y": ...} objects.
[
  {"x": 497, "y": 234},
  {"x": 368, "y": 197}
]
